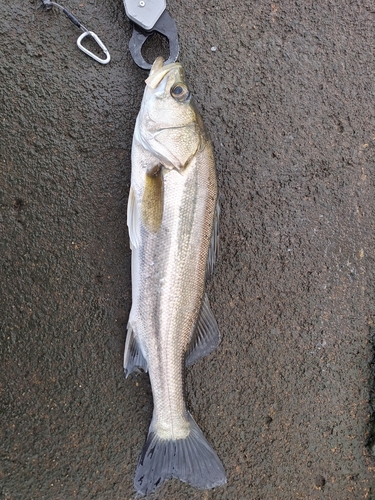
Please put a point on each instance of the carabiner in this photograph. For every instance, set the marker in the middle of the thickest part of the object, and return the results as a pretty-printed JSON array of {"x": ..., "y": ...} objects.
[
  {"x": 48, "y": 4},
  {"x": 91, "y": 54}
]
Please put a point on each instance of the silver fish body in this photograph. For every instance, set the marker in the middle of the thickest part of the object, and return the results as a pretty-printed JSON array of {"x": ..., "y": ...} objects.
[{"x": 172, "y": 219}]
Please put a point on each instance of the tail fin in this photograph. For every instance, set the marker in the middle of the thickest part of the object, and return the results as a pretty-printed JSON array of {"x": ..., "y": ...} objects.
[{"x": 191, "y": 460}]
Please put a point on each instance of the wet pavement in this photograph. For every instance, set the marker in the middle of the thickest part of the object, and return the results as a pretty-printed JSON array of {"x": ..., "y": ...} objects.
[{"x": 287, "y": 399}]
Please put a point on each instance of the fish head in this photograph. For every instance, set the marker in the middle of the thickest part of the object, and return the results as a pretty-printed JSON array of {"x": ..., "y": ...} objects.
[{"x": 168, "y": 124}]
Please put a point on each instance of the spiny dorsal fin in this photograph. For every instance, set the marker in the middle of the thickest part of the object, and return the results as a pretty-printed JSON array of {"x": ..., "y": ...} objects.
[
  {"x": 206, "y": 336},
  {"x": 213, "y": 252}
]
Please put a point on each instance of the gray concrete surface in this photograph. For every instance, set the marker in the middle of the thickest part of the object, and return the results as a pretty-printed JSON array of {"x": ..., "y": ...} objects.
[{"x": 286, "y": 400}]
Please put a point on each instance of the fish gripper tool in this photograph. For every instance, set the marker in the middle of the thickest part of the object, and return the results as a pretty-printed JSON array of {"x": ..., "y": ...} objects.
[{"x": 149, "y": 17}]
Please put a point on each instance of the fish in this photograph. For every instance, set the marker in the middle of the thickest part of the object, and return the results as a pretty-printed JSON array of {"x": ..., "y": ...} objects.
[{"x": 172, "y": 219}]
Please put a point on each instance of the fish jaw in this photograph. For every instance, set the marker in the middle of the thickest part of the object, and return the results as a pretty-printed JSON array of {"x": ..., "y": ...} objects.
[{"x": 158, "y": 72}]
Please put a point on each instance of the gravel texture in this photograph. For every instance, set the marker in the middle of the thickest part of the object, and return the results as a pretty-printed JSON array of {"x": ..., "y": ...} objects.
[{"x": 287, "y": 399}]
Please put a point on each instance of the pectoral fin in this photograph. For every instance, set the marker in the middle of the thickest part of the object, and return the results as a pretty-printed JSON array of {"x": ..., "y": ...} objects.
[
  {"x": 152, "y": 201},
  {"x": 206, "y": 336},
  {"x": 133, "y": 220}
]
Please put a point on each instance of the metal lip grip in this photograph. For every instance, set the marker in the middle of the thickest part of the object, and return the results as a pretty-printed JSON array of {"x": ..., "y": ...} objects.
[{"x": 148, "y": 17}]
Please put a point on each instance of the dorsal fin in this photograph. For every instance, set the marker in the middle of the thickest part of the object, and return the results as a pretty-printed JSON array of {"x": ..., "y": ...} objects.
[
  {"x": 206, "y": 336},
  {"x": 213, "y": 252}
]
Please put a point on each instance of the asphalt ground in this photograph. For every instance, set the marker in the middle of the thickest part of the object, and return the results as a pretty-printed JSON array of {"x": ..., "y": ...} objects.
[{"x": 287, "y": 91}]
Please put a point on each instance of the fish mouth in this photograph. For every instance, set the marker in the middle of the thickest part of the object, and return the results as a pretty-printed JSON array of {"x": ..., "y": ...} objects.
[{"x": 158, "y": 72}]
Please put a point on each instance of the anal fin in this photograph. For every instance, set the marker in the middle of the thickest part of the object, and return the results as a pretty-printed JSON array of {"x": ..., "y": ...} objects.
[
  {"x": 134, "y": 361},
  {"x": 206, "y": 336}
]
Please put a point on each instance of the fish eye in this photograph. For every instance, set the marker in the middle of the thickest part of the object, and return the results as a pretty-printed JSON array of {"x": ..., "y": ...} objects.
[{"x": 180, "y": 92}]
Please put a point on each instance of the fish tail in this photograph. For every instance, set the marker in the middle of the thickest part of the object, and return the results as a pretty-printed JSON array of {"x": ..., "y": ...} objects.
[{"x": 192, "y": 460}]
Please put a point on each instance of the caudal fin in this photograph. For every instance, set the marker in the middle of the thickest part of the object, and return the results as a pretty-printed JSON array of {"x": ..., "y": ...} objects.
[{"x": 191, "y": 460}]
